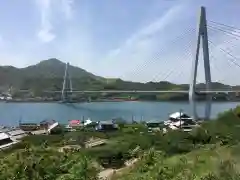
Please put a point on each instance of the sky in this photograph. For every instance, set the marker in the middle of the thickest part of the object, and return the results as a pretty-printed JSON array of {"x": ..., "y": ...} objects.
[{"x": 137, "y": 40}]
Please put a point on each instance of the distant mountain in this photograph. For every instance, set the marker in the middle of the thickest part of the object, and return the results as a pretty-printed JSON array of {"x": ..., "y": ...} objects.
[
  {"x": 51, "y": 69},
  {"x": 48, "y": 75}
]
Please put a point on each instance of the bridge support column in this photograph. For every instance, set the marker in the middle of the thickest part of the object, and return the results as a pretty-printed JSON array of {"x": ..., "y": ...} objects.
[
  {"x": 67, "y": 85},
  {"x": 202, "y": 35}
]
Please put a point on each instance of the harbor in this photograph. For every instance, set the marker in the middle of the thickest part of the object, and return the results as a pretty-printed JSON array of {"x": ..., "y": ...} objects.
[
  {"x": 12, "y": 135},
  {"x": 137, "y": 111}
]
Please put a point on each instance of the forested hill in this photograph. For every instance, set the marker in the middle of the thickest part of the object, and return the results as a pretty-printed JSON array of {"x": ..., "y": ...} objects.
[{"x": 48, "y": 75}]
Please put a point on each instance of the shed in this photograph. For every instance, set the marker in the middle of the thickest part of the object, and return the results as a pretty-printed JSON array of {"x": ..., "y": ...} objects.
[
  {"x": 5, "y": 140},
  {"x": 153, "y": 123},
  {"x": 106, "y": 126},
  {"x": 16, "y": 134},
  {"x": 74, "y": 123}
]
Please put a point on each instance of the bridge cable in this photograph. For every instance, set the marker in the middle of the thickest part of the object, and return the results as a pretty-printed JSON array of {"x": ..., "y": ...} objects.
[
  {"x": 182, "y": 65},
  {"x": 157, "y": 54},
  {"x": 235, "y": 34},
  {"x": 224, "y": 25},
  {"x": 233, "y": 59},
  {"x": 165, "y": 75}
]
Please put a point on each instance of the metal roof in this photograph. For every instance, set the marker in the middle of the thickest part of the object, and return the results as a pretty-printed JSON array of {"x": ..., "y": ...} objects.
[
  {"x": 153, "y": 121},
  {"x": 3, "y": 136},
  {"x": 177, "y": 115},
  {"x": 106, "y": 122},
  {"x": 15, "y": 132}
]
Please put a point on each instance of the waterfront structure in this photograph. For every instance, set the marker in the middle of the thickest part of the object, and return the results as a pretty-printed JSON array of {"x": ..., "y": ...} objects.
[
  {"x": 45, "y": 124},
  {"x": 16, "y": 134},
  {"x": 5, "y": 141},
  {"x": 29, "y": 126},
  {"x": 74, "y": 123},
  {"x": 106, "y": 126}
]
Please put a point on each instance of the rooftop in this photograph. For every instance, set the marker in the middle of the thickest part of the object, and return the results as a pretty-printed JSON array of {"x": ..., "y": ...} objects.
[
  {"x": 177, "y": 115},
  {"x": 106, "y": 122},
  {"x": 15, "y": 132},
  {"x": 3, "y": 136}
]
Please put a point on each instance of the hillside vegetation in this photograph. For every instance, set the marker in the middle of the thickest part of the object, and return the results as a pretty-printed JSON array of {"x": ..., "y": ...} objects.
[
  {"x": 48, "y": 75},
  {"x": 208, "y": 152}
]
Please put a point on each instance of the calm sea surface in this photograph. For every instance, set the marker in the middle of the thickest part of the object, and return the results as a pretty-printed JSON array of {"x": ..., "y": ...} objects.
[{"x": 11, "y": 113}]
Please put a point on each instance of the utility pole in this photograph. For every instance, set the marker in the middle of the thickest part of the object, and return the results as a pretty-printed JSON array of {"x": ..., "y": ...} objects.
[{"x": 202, "y": 36}]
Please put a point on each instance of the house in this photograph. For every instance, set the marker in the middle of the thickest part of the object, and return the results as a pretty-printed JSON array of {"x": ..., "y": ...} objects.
[
  {"x": 46, "y": 123},
  {"x": 106, "y": 126},
  {"x": 5, "y": 141},
  {"x": 74, "y": 123},
  {"x": 55, "y": 128},
  {"x": 178, "y": 115},
  {"x": 29, "y": 126},
  {"x": 16, "y": 134},
  {"x": 180, "y": 120},
  {"x": 153, "y": 124},
  {"x": 87, "y": 122}
]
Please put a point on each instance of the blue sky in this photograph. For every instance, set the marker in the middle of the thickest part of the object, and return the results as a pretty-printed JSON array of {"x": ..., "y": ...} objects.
[{"x": 139, "y": 40}]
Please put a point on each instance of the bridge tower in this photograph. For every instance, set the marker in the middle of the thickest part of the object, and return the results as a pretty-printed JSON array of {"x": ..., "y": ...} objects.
[
  {"x": 202, "y": 37},
  {"x": 67, "y": 85}
]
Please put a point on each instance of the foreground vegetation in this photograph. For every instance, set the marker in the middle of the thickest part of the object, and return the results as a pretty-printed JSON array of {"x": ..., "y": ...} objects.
[{"x": 208, "y": 152}]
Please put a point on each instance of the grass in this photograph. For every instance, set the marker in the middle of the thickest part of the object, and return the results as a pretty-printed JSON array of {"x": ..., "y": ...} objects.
[{"x": 218, "y": 163}]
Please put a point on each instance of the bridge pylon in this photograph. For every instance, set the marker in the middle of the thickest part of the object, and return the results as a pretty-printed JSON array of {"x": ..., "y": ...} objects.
[
  {"x": 202, "y": 36},
  {"x": 67, "y": 85}
]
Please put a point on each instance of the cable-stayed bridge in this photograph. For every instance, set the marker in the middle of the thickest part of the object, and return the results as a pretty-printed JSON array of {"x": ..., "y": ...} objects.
[{"x": 203, "y": 42}]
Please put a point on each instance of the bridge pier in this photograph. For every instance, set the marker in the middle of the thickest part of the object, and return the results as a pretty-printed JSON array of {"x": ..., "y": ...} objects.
[{"x": 202, "y": 35}]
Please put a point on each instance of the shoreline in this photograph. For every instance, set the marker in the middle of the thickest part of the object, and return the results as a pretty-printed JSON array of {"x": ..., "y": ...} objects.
[{"x": 108, "y": 100}]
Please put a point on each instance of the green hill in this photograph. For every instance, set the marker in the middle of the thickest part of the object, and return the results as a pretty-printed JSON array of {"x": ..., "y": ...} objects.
[{"x": 48, "y": 75}]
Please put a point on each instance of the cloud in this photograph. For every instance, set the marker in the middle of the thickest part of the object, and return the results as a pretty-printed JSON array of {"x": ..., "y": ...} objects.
[
  {"x": 142, "y": 46},
  {"x": 1, "y": 41},
  {"x": 67, "y": 8},
  {"x": 45, "y": 33},
  {"x": 48, "y": 10}
]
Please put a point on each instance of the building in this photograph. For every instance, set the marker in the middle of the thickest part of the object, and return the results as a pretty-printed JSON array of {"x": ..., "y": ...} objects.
[
  {"x": 46, "y": 124},
  {"x": 55, "y": 128},
  {"x": 16, "y": 134},
  {"x": 74, "y": 123},
  {"x": 29, "y": 126},
  {"x": 153, "y": 124},
  {"x": 5, "y": 141},
  {"x": 178, "y": 115},
  {"x": 180, "y": 120},
  {"x": 106, "y": 126}
]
